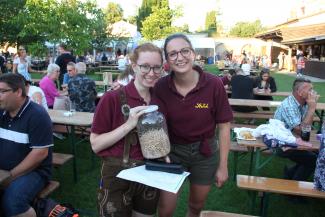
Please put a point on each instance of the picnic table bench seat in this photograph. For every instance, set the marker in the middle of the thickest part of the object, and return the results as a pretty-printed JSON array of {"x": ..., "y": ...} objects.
[
  {"x": 51, "y": 187},
  {"x": 221, "y": 214},
  {"x": 278, "y": 186},
  {"x": 59, "y": 159}
]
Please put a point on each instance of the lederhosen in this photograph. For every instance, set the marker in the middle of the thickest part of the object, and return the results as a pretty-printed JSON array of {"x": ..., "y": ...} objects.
[{"x": 118, "y": 197}]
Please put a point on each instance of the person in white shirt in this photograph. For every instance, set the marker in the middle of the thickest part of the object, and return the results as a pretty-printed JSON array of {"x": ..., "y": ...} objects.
[
  {"x": 36, "y": 94},
  {"x": 246, "y": 67},
  {"x": 22, "y": 64}
]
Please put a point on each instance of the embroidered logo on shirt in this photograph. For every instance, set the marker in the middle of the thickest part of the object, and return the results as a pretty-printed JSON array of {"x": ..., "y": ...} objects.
[{"x": 202, "y": 105}]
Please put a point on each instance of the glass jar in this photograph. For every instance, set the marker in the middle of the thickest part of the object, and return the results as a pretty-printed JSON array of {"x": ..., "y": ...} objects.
[{"x": 153, "y": 134}]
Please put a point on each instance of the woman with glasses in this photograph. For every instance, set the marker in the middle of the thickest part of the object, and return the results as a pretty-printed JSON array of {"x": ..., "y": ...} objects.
[
  {"x": 194, "y": 103},
  {"x": 114, "y": 139},
  {"x": 22, "y": 65}
]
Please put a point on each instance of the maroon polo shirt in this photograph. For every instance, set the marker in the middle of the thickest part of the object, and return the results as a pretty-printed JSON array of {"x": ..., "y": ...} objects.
[
  {"x": 193, "y": 118},
  {"x": 108, "y": 116}
]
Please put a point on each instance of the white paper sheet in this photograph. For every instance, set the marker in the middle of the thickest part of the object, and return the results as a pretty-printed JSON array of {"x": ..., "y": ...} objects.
[{"x": 166, "y": 181}]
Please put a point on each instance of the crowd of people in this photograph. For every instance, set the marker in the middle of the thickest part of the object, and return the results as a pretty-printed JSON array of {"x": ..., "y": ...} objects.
[{"x": 194, "y": 103}]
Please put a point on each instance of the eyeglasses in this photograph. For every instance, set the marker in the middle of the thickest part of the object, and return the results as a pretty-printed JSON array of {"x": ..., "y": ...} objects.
[
  {"x": 186, "y": 52},
  {"x": 145, "y": 69},
  {"x": 5, "y": 91}
]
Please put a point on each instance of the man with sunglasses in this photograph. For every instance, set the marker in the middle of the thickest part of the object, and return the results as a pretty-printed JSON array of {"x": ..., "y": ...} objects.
[{"x": 25, "y": 147}]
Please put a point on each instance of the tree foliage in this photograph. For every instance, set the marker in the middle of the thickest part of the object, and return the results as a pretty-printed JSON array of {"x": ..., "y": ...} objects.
[
  {"x": 211, "y": 21},
  {"x": 9, "y": 26},
  {"x": 76, "y": 23},
  {"x": 158, "y": 24},
  {"x": 246, "y": 29},
  {"x": 113, "y": 13},
  {"x": 145, "y": 10}
]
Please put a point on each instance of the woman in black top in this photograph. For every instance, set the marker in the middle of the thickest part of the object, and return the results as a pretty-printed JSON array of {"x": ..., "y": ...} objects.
[{"x": 264, "y": 83}]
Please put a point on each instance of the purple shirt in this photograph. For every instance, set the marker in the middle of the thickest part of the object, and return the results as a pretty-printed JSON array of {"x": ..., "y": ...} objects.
[{"x": 49, "y": 89}]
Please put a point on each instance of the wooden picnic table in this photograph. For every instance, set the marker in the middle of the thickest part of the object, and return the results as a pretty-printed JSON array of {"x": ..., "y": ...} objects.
[
  {"x": 82, "y": 119},
  {"x": 277, "y": 93},
  {"x": 264, "y": 103},
  {"x": 4, "y": 174},
  {"x": 257, "y": 147},
  {"x": 320, "y": 107}
]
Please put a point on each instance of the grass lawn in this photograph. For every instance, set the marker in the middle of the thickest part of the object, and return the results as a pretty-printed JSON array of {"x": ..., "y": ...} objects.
[{"x": 229, "y": 198}]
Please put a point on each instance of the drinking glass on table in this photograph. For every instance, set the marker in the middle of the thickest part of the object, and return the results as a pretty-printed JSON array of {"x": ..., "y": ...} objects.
[
  {"x": 305, "y": 131},
  {"x": 72, "y": 107}
]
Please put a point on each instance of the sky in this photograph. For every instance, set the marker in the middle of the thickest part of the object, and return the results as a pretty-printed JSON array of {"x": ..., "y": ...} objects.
[{"x": 232, "y": 11}]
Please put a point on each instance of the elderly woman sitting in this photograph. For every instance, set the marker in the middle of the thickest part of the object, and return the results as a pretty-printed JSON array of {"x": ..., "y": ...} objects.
[{"x": 47, "y": 84}]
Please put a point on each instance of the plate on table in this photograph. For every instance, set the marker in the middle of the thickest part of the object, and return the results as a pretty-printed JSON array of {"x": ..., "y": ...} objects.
[{"x": 245, "y": 134}]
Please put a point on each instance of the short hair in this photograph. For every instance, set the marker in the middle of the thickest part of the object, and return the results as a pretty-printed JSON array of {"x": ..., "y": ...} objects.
[
  {"x": 51, "y": 68},
  {"x": 81, "y": 68},
  {"x": 239, "y": 71},
  {"x": 146, "y": 47},
  {"x": 64, "y": 46},
  {"x": 71, "y": 64},
  {"x": 15, "y": 82},
  {"x": 299, "y": 82},
  {"x": 232, "y": 72},
  {"x": 174, "y": 36}
]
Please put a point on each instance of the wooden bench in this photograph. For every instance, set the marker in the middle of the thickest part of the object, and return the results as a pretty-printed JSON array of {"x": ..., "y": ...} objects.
[
  {"x": 279, "y": 186},
  {"x": 261, "y": 115},
  {"x": 221, "y": 214},
  {"x": 59, "y": 159},
  {"x": 240, "y": 150},
  {"x": 51, "y": 187}
]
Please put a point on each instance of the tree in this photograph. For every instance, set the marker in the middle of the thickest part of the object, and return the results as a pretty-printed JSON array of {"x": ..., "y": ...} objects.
[
  {"x": 246, "y": 29},
  {"x": 158, "y": 24},
  {"x": 211, "y": 21},
  {"x": 113, "y": 13},
  {"x": 69, "y": 21},
  {"x": 9, "y": 26},
  {"x": 145, "y": 10}
]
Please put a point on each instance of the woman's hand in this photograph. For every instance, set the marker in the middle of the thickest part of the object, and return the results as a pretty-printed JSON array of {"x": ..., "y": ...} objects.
[{"x": 134, "y": 115}]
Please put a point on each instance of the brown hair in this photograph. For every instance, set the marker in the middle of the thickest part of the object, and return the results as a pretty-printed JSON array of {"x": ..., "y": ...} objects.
[
  {"x": 15, "y": 82},
  {"x": 144, "y": 48},
  {"x": 173, "y": 36},
  {"x": 19, "y": 49}
]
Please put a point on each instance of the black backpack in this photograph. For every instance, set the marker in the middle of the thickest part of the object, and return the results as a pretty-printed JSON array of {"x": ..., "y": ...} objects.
[{"x": 46, "y": 207}]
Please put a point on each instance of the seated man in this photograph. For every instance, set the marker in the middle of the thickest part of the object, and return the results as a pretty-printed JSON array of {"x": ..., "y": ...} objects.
[
  {"x": 242, "y": 88},
  {"x": 25, "y": 147},
  {"x": 81, "y": 89},
  {"x": 295, "y": 110}
]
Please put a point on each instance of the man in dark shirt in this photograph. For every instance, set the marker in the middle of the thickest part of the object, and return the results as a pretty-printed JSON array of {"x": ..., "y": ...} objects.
[
  {"x": 25, "y": 147},
  {"x": 81, "y": 89},
  {"x": 242, "y": 88},
  {"x": 2, "y": 64},
  {"x": 63, "y": 59}
]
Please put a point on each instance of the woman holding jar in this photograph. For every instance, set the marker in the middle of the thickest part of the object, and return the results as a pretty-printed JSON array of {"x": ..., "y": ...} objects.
[
  {"x": 22, "y": 65},
  {"x": 194, "y": 103},
  {"x": 113, "y": 138}
]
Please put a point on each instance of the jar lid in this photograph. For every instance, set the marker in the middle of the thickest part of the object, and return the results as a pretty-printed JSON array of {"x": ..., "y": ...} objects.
[{"x": 151, "y": 108}]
